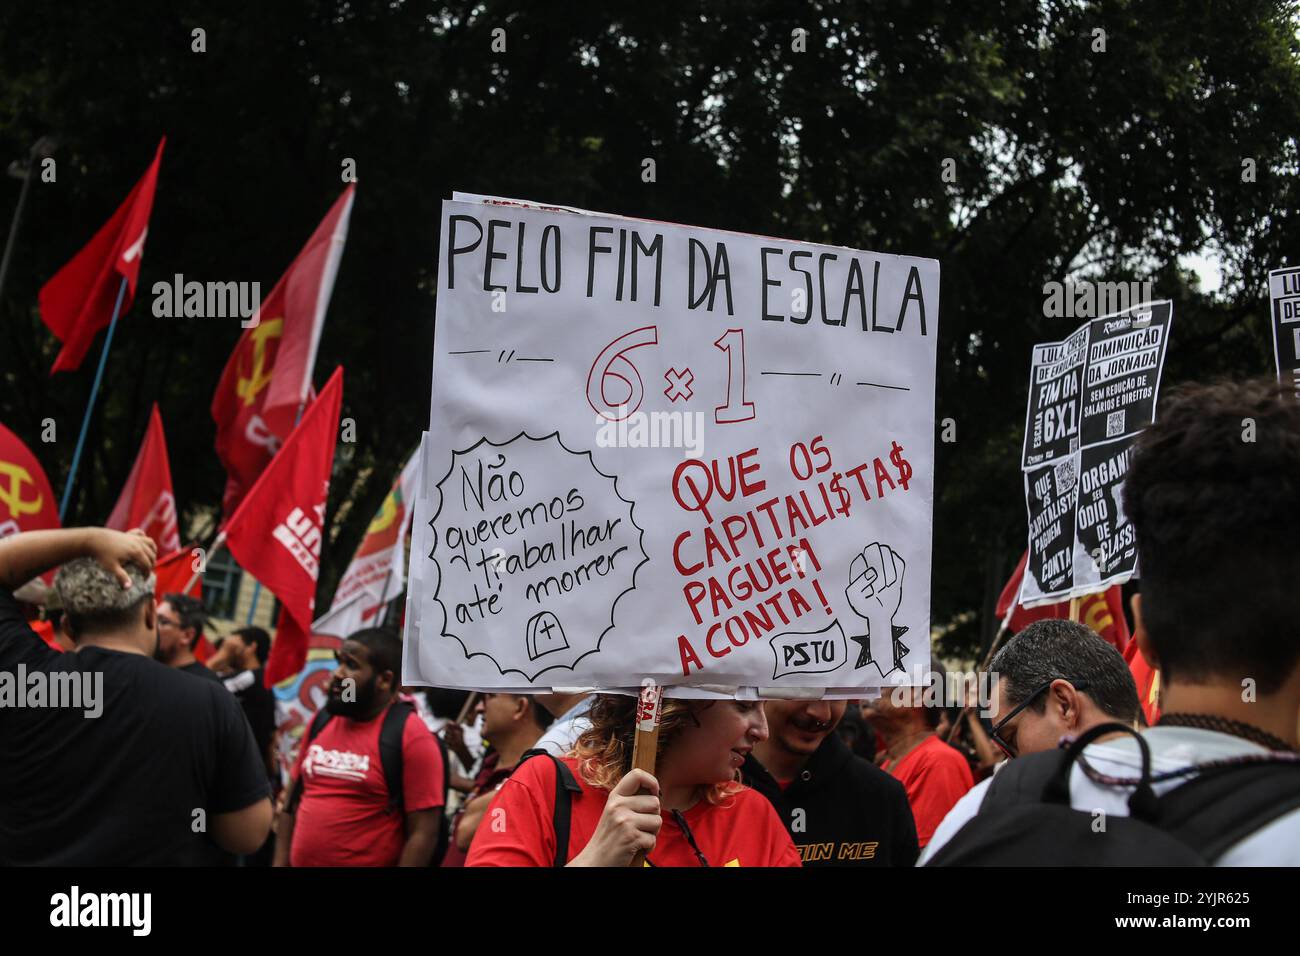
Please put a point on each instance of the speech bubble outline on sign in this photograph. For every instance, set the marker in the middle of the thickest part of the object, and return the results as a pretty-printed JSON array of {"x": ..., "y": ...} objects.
[{"x": 534, "y": 546}]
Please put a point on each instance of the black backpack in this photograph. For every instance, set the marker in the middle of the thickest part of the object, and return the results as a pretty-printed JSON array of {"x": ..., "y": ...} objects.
[
  {"x": 1026, "y": 818},
  {"x": 565, "y": 786},
  {"x": 390, "y": 757}
]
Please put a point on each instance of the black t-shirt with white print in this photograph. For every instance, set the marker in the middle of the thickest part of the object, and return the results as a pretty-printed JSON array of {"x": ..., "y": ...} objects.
[{"x": 130, "y": 776}]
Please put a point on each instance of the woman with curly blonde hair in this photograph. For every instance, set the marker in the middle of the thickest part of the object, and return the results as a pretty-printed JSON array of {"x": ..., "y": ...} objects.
[{"x": 693, "y": 811}]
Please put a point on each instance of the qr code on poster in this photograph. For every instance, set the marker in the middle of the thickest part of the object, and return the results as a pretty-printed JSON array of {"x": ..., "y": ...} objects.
[
  {"x": 1115, "y": 424},
  {"x": 1065, "y": 476}
]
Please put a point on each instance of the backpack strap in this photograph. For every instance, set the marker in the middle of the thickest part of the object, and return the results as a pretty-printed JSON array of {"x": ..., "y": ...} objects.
[
  {"x": 1219, "y": 808},
  {"x": 1210, "y": 813},
  {"x": 1142, "y": 803},
  {"x": 390, "y": 751},
  {"x": 1021, "y": 781},
  {"x": 444, "y": 822},
  {"x": 318, "y": 722},
  {"x": 561, "y": 816},
  {"x": 1045, "y": 777}
]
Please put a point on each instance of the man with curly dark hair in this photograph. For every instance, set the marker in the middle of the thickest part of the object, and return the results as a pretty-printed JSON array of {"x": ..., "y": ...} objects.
[{"x": 1213, "y": 491}]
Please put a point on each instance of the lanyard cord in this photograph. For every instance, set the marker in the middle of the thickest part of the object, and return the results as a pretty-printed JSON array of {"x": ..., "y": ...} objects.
[
  {"x": 1223, "y": 725},
  {"x": 690, "y": 837},
  {"x": 1096, "y": 776}
]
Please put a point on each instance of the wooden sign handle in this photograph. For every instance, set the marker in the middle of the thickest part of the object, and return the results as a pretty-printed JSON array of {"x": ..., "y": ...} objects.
[
  {"x": 467, "y": 708},
  {"x": 645, "y": 744}
]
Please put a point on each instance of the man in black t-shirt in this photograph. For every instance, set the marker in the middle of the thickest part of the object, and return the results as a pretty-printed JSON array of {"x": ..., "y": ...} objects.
[
  {"x": 840, "y": 810},
  {"x": 181, "y": 620},
  {"x": 245, "y": 652},
  {"x": 107, "y": 756}
]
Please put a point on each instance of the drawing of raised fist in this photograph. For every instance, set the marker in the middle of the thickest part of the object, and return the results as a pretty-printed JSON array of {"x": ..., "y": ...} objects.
[{"x": 875, "y": 591}]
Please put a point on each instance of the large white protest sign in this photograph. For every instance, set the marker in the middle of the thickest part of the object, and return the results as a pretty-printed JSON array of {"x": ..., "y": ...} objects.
[
  {"x": 1088, "y": 397},
  {"x": 670, "y": 453},
  {"x": 1284, "y": 299}
]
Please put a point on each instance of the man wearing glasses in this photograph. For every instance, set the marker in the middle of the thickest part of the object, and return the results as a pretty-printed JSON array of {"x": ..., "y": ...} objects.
[
  {"x": 1054, "y": 679},
  {"x": 181, "y": 620}
]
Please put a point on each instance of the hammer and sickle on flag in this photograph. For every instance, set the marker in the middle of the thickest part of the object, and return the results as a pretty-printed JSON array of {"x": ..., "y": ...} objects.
[
  {"x": 13, "y": 496},
  {"x": 1097, "y": 616},
  {"x": 249, "y": 386}
]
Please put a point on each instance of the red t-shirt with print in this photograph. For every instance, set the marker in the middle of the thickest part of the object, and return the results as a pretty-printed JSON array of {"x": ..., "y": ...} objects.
[
  {"x": 935, "y": 777},
  {"x": 343, "y": 817},
  {"x": 742, "y": 830}
]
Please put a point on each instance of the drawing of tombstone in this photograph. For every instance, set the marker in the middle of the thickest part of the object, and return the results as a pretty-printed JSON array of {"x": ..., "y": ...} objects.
[{"x": 544, "y": 635}]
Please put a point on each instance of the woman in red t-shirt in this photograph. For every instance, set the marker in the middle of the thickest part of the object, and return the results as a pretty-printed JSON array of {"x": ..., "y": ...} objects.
[{"x": 693, "y": 812}]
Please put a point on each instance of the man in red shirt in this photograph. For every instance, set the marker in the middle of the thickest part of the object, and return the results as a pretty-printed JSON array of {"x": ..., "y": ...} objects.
[
  {"x": 339, "y": 811},
  {"x": 513, "y": 723},
  {"x": 934, "y": 774}
]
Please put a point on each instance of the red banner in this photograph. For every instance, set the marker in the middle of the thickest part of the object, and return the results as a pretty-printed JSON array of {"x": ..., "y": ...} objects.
[
  {"x": 27, "y": 501},
  {"x": 147, "y": 501},
  {"x": 277, "y": 531},
  {"x": 173, "y": 572},
  {"x": 78, "y": 301},
  {"x": 268, "y": 376},
  {"x": 1103, "y": 612},
  {"x": 1147, "y": 680}
]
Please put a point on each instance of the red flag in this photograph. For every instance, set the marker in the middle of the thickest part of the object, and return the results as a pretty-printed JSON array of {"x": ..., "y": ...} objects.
[
  {"x": 203, "y": 649},
  {"x": 147, "y": 501},
  {"x": 268, "y": 376},
  {"x": 276, "y": 532},
  {"x": 173, "y": 572},
  {"x": 1147, "y": 680},
  {"x": 288, "y": 649},
  {"x": 1103, "y": 612},
  {"x": 45, "y": 631},
  {"x": 27, "y": 501},
  {"x": 79, "y": 300}
]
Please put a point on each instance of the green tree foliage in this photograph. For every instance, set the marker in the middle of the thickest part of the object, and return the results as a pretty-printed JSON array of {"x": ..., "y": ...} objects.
[{"x": 1068, "y": 162}]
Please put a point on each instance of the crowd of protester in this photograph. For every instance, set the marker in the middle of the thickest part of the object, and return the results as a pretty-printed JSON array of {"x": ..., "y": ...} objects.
[{"x": 179, "y": 767}]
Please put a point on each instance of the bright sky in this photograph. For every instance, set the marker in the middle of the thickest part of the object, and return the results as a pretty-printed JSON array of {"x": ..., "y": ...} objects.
[{"x": 1209, "y": 270}]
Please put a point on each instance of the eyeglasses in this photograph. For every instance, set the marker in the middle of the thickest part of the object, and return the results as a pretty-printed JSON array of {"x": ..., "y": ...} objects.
[{"x": 995, "y": 731}]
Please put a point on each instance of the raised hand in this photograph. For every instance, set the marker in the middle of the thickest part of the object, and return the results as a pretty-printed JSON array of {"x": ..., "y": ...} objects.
[{"x": 115, "y": 549}]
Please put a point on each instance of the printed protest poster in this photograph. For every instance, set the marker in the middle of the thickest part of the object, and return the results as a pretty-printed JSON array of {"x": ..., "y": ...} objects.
[
  {"x": 1052, "y": 493},
  {"x": 1055, "y": 395},
  {"x": 1126, "y": 354},
  {"x": 1284, "y": 295},
  {"x": 1080, "y": 541},
  {"x": 663, "y": 452}
]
